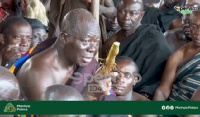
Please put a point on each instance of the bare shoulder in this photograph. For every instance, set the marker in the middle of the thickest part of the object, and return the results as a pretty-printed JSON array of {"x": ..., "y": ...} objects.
[
  {"x": 34, "y": 76},
  {"x": 171, "y": 34},
  {"x": 36, "y": 65},
  {"x": 138, "y": 97},
  {"x": 178, "y": 56}
]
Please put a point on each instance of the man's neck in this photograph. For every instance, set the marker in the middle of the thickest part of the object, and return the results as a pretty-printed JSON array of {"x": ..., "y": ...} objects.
[
  {"x": 132, "y": 31},
  {"x": 197, "y": 48},
  {"x": 61, "y": 59},
  {"x": 127, "y": 97},
  {"x": 185, "y": 38}
]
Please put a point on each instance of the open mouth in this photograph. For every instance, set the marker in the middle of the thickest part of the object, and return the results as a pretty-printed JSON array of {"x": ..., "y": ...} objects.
[
  {"x": 87, "y": 59},
  {"x": 118, "y": 87}
]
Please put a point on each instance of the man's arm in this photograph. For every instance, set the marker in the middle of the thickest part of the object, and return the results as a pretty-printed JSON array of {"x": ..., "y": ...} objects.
[
  {"x": 195, "y": 97},
  {"x": 164, "y": 89},
  {"x": 33, "y": 81},
  {"x": 108, "y": 9}
]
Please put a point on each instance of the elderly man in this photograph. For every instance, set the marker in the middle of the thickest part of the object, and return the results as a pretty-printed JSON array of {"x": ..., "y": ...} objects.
[
  {"x": 73, "y": 51},
  {"x": 181, "y": 75},
  {"x": 179, "y": 37}
]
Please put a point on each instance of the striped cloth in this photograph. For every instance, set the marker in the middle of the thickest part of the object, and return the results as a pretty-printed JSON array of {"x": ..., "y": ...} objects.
[
  {"x": 187, "y": 80},
  {"x": 20, "y": 61},
  {"x": 25, "y": 116},
  {"x": 17, "y": 64}
]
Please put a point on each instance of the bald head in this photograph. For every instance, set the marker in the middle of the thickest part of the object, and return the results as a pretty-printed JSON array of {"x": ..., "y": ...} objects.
[
  {"x": 79, "y": 21},
  {"x": 127, "y": 61},
  {"x": 62, "y": 92},
  {"x": 9, "y": 86}
]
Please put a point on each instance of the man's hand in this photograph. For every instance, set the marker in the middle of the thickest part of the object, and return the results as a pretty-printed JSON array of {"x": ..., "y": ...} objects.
[
  {"x": 98, "y": 86},
  {"x": 10, "y": 54}
]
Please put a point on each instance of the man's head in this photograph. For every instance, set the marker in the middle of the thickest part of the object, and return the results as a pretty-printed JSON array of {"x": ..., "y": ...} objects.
[
  {"x": 39, "y": 31},
  {"x": 112, "y": 23},
  {"x": 171, "y": 3},
  {"x": 194, "y": 24},
  {"x": 9, "y": 86},
  {"x": 79, "y": 37},
  {"x": 62, "y": 93},
  {"x": 130, "y": 14},
  {"x": 185, "y": 18},
  {"x": 17, "y": 33},
  {"x": 125, "y": 77}
]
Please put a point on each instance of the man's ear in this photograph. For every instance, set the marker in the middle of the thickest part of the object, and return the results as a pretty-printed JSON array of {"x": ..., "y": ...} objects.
[
  {"x": 2, "y": 39},
  {"x": 137, "y": 78},
  {"x": 142, "y": 14},
  {"x": 63, "y": 37}
]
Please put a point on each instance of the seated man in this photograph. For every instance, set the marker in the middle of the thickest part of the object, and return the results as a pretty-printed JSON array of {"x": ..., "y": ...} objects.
[
  {"x": 125, "y": 77},
  {"x": 145, "y": 44},
  {"x": 181, "y": 75},
  {"x": 179, "y": 37},
  {"x": 70, "y": 58},
  {"x": 40, "y": 31},
  {"x": 15, "y": 38}
]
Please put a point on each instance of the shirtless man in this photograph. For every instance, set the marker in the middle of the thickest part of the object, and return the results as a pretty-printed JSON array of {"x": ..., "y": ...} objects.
[
  {"x": 180, "y": 78},
  {"x": 179, "y": 37},
  {"x": 76, "y": 46},
  {"x": 15, "y": 38},
  {"x": 126, "y": 76}
]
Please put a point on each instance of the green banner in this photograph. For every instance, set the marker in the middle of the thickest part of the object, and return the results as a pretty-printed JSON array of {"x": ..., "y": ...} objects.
[{"x": 99, "y": 107}]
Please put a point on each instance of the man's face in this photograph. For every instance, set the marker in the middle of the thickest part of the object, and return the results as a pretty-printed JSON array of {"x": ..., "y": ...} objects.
[
  {"x": 81, "y": 48},
  {"x": 125, "y": 78},
  {"x": 19, "y": 36},
  {"x": 39, "y": 35},
  {"x": 129, "y": 15},
  {"x": 112, "y": 24},
  {"x": 195, "y": 28},
  {"x": 185, "y": 25}
]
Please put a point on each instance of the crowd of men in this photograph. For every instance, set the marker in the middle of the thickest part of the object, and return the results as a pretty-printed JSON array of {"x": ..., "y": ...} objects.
[{"x": 158, "y": 59}]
